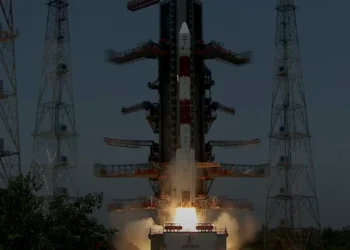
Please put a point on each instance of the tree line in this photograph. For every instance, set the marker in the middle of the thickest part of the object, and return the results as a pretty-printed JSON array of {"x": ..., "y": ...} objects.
[
  {"x": 333, "y": 239},
  {"x": 29, "y": 222}
]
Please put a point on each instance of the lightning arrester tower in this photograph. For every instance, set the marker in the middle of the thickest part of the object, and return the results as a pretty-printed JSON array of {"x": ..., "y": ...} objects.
[
  {"x": 54, "y": 150},
  {"x": 10, "y": 163},
  {"x": 291, "y": 197}
]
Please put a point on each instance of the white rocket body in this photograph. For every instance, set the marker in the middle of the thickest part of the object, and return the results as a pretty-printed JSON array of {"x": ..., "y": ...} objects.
[{"x": 185, "y": 180}]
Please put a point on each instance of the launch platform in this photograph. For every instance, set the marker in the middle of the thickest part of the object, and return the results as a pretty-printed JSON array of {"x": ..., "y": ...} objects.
[{"x": 173, "y": 237}]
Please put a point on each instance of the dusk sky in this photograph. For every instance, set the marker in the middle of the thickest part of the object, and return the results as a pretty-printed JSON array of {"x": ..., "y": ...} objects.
[{"x": 102, "y": 89}]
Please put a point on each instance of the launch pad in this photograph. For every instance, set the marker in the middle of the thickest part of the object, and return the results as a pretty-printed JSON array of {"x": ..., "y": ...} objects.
[{"x": 173, "y": 237}]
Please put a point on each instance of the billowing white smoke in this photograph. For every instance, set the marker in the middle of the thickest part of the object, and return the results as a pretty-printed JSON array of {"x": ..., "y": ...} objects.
[
  {"x": 238, "y": 233},
  {"x": 136, "y": 232},
  {"x": 232, "y": 226},
  {"x": 133, "y": 232}
]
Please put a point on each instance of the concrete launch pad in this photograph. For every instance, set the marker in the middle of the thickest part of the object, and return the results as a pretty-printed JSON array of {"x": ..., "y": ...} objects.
[{"x": 173, "y": 237}]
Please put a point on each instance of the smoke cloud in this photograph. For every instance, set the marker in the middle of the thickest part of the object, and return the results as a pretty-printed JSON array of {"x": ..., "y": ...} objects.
[
  {"x": 133, "y": 234},
  {"x": 136, "y": 232},
  {"x": 239, "y": 232}
]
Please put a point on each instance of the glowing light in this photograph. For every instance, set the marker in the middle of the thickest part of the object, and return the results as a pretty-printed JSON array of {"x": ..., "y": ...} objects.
[{"x": 187, "y": 217}]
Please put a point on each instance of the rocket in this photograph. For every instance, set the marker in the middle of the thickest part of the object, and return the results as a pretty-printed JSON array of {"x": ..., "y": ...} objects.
[{"x": 185, "y": 166}]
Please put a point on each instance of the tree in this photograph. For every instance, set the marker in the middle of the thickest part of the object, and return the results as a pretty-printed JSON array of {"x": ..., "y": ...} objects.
[
  {"x": 31, "y": 222},
  {"x": 72, "y": 225},
  {"x": 336, "y": 239},
  {"x": 21, "y": 215}
]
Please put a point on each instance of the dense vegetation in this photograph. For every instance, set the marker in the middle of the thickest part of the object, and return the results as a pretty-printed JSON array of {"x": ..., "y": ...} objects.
[
  {"x": 336, "y": 239},
  {"x": 332, "y": 240},
  {"x": 30, "y": 222}
]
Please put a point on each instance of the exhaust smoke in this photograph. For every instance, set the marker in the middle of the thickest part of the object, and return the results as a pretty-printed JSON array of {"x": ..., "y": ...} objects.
[
  {"x": 239, "y": 233},
  {"x": 133, "y": 231}
]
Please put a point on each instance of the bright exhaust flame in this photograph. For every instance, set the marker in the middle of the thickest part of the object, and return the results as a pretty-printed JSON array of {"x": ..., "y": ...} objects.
[{"x": 186, "y": 217}]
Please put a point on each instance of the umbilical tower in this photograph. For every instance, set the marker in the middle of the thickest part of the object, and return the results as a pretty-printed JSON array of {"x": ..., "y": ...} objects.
[{"x": 163, "y": 116}]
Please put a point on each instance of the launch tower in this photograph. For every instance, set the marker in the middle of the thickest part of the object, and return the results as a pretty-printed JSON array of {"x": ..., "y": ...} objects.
[
  {"x": 10, "y": 163},
  {"x": 54, "y": 150},
  {"x": 291, "y": 198},
  {"x": 163, "y": 116}
]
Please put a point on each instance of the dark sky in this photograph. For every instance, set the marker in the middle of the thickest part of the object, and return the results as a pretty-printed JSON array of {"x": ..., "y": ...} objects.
[{"x": 102, "y": 89}]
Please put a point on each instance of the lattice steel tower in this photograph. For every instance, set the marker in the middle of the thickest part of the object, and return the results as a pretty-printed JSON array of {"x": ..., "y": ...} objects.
[
  {"x": 10, "y": 163},
  {"x": 55, "y": 158},
  {"x": 291, "y": 202}
]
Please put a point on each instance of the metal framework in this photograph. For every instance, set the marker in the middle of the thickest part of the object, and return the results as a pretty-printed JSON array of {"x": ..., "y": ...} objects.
[
  {"x": 162, "y": 116},
  {"x": 151, "y": 203},
  {"x": 292, "y": 213},
  {"x": 54, "y": 150},
  {"x": 10, "y": 160}
]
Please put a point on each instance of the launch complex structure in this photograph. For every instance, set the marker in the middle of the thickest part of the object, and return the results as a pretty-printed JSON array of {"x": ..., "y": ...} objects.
[
  {"x": 54, "y": 136},
  {"x": 292, "y": 217},
  {"x": 291, "y": 202},
  {"x": 164, "y": 116},
  {"x": 10, "y": 160}
]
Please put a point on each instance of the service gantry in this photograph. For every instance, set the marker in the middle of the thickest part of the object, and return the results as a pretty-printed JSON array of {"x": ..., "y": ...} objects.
[
  {"x": 163, "y": 116},
  {"x": 292, "y": 213},
  {"x": 54, "y": 149},
  {"x": 10, "y": 159}
]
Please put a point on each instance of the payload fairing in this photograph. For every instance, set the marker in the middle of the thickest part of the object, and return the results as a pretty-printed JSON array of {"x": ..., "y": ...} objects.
[{"x": 184, "y": 186}]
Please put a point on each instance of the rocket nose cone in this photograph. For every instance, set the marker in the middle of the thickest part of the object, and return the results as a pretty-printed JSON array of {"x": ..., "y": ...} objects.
[{"x": 184, "y": 29}]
